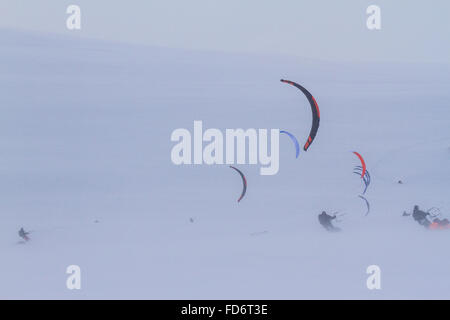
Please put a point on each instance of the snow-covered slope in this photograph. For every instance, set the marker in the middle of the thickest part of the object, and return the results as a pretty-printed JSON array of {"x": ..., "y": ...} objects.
[{"x": 85, "y": 164}]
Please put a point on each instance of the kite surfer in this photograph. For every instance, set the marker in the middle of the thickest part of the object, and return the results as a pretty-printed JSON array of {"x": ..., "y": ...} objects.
[
  {"x": 325, "y": 220},
  {"x": 24, "y": 234},
  {"x": 422, "y": 218}
]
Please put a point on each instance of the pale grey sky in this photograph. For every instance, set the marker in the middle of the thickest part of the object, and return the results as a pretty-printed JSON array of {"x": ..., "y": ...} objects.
[{"x": 412, "y": 30}]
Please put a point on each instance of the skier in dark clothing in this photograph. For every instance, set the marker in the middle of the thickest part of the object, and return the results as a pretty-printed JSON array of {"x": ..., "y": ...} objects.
[
  {"x": 325, "y": 220},
  {"x": 23, "y": 234},
  {"x": 421, "y": 216},
  {"x": 424, "y": 219}
]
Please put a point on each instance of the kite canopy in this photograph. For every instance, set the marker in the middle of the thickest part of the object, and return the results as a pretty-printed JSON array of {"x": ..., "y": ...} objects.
[
  {"x": 315, "y": 113},
  {"x": 363, "y": 163},
  {"x": 367, "y": 204},
  {"x": 362, "y": 171},
  {"x": 294, "y": 140},
  {"x": 244, "y": 183},
  {"x": 366, "y": 179}
]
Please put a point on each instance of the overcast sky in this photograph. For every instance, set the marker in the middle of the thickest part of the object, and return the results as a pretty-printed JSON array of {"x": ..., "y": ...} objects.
[{"x": 411, "y": 30}]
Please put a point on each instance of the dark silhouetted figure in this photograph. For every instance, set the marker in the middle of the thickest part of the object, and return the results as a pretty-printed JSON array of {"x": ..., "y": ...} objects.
[
  {"x": 325, "y": 220},
  {"x": 421, "y": 216},
  {"x": 23, "y": 234}
]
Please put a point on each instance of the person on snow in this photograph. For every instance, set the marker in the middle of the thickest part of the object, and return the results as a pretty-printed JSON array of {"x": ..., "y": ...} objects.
[
  {"x": 23, "y": 234},
  {"x": 325, "y": 220},
  {"x": 421, "y": 216}
]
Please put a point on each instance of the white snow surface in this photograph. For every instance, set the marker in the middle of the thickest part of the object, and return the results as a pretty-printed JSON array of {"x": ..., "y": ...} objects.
[{"x": 85, "y": 165}]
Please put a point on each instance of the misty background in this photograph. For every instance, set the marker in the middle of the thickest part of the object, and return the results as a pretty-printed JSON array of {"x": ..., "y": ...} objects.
[
  {"x": 411, "y": 30},
  {"x": 85, "y": 125}
]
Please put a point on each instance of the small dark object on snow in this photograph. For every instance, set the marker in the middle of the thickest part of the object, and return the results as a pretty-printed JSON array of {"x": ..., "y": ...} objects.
[
  {"x": 421, "y": 217},
  {"x": 400, "y": 182},
  {"x": 23, "y": 234},
  {"x": 325, "y": 220},
  {"x": 191, "y": 220}
]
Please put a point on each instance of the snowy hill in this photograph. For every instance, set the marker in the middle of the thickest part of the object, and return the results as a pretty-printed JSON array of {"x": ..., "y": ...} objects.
[{"x": 85, "y": 164}]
